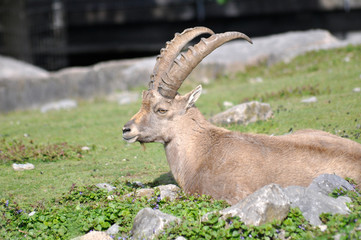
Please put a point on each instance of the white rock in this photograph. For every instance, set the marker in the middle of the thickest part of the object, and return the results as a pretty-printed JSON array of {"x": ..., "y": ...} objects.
[
  {"x": 59, "y": 105},
  {"x": 309, "y": 100},
  {"x": 180, "y": 238},
  {"x": 228, "y": 104},
  {"x": 85, "y": 148},
  {"x": 356, "y": 90},
  {"x": 22, "y": 167},
  {"x": 256, "y": 80},
  {"x": 32, "y": 213},
  {"x": 322, "y": 227}
]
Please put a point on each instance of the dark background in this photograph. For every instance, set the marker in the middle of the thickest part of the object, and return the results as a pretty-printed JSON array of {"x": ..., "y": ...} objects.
[{"x": 54, "y": 34}]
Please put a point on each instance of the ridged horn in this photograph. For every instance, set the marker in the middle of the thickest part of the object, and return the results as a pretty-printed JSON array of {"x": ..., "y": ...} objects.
[
  {"x": 172, "y": 80},
  {"x": 171, "y": 51}
]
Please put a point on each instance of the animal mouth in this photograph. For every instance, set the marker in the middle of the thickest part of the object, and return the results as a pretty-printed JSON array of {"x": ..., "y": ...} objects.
[{"x": 130, "y": 139}]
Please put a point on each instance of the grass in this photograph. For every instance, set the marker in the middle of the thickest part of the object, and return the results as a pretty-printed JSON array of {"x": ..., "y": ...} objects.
[{"x": 97, "y": 124}]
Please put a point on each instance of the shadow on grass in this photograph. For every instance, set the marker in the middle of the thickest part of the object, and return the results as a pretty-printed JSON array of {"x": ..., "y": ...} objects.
[{"x": 164, "y": 179}]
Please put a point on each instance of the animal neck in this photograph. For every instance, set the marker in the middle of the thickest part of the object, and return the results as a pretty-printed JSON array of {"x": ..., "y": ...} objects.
[{"x": 183, "y": 150}]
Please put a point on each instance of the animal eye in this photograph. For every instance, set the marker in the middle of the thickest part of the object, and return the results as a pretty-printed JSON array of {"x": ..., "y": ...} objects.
[{"x": 162, "y": 111}]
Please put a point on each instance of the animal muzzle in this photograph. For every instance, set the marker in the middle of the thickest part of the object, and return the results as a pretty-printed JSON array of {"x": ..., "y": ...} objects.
[{"x": 130, "y": 132}]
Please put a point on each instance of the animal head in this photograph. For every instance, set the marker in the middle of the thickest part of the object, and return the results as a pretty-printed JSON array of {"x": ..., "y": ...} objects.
[{"x": 162, "y": 107}]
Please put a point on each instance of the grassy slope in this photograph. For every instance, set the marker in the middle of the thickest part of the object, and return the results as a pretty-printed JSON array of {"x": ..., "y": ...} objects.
[{"x": 325, "y": 74}]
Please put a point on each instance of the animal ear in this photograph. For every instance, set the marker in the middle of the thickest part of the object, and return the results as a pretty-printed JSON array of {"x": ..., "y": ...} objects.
[{"x": 193, "y": 96}]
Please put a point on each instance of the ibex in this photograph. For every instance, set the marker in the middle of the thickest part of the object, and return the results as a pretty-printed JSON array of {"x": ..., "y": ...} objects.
[{"x": 207, "y": 159}]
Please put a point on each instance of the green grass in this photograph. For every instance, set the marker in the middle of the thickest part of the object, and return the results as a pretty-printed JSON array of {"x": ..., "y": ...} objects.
[{"x": 98, "y": 124}]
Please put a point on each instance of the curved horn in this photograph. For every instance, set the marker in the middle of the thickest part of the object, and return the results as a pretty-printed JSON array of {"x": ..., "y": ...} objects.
[
  {"x": 173, "y": 79},
  {"x": 171, "y": 51}
]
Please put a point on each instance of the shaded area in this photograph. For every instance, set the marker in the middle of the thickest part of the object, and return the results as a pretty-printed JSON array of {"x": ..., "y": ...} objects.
[
  {"x": 58, "y": 33},
  {"x": 164, "y": 179}
]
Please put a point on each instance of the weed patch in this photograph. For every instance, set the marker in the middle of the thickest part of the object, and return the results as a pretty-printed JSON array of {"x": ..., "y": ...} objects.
[{"x": 17, "y": 151}]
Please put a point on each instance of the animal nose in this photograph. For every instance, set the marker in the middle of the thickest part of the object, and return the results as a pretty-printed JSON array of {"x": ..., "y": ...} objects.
[{"x": 126, "y": 129}]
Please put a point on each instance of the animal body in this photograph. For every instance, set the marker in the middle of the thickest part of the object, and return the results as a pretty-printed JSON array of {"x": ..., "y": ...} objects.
[{"x": 207, "y": 159}]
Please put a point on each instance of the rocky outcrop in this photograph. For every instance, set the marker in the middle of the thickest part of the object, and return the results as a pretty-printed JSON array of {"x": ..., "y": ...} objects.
[
  {"x": 263, "y": 206},
  {"x": 315, "y": 200},
  {"x": 33, "y": 88}
]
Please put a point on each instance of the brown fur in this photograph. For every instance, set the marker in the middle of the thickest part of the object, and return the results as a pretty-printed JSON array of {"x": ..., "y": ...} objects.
[{"x": 227, "y": 165}]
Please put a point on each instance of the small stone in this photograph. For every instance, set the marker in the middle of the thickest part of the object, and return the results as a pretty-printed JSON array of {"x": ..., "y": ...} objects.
[
  {"x": 110, "y": 197},
  {"x": 32, "y": 213},
  {"x": 22, "y": 167},
  {"x": 106, "y": 186},
  {"x": 322, "y": 227},
  {"x": 26, "y": 135},
  {"x": 356, "y": 90},
  {"x": 114, "y": 229},
  {"x": 256, "y": 80},
  {"x": 338, "y": 236},
  {"x": 85, "y": 148},
  {"x": 139, "y": 184},
  {"x": 145, "y": 192},
  {"x": 227, "y": 104},
  {"x": 180, "y": 238},
  {"x": 309, "y": 100},
  {"x": 96, "y": 235},
  {"x": 169, "y": 191}
]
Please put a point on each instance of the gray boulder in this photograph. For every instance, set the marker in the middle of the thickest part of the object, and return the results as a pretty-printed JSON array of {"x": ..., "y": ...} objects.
[
  {"x": 244, "y": 113},
  {"x": 148, "y": 223},
  {"x": 326, "y": 183},
  {"x": 263, "y": 206},
  {"x": 314, "y": 200}
]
